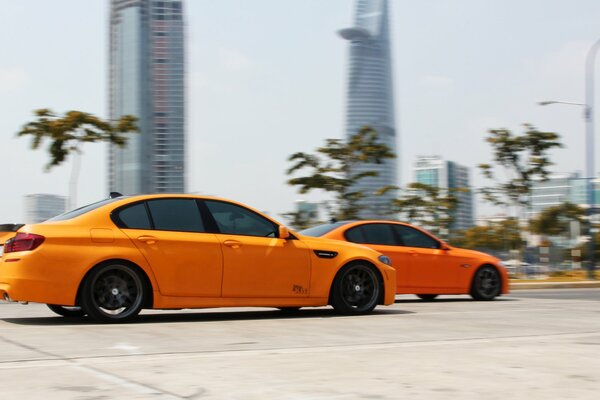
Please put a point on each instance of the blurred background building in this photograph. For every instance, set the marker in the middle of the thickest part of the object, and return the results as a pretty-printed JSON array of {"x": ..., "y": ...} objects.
[
  {"x": 370, "y": 97},
  {"x": 40, "y": 207},
  {"x": 434, "y": 171},
  {"x": 561, "y": 188},
  {"x": 147, "y": 79}
]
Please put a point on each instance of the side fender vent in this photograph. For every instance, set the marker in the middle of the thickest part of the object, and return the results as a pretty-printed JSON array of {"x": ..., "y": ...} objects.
[{"x": 325, "y": 253}]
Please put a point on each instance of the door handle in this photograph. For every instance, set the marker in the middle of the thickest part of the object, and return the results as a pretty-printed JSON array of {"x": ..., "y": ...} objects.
[
  {"x": 147, "y": 239},
  {"x": 413, "y": 253},
  {"x": 234, "y": 244}
]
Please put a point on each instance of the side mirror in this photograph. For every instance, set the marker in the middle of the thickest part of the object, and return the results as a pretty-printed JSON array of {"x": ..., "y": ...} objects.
[
  {"x": 444, "y": 246},
  {"x": 284, "y": 232}
]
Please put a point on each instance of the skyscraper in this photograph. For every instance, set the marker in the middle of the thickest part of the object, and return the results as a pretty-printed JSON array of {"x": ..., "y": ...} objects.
[
  {"x": 147, "y": 80},
  {"x": 433, "y": 171},
  {"x": 370, "y": 96}
]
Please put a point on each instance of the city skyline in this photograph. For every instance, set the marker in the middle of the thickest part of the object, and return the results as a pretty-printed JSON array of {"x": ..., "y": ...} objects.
[
  {"x": 257, "y": 97},
  {"x": 147, "y": 80}
]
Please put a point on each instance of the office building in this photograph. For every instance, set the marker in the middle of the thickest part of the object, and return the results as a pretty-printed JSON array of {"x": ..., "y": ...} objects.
[
  {"x": 370, "y": 97},
  {"x": 40, "y": 207},
  {"x": 147, "y": 80},
  {"x": 561, "y": 188},
  {"x": 434, "y": 171}
]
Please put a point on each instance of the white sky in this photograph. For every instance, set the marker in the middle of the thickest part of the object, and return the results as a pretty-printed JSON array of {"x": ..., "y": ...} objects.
[{"x": 266, "y": 79}]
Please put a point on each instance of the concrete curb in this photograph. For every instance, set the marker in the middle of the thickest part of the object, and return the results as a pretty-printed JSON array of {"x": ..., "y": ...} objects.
[{"x": 554, "y": 285}]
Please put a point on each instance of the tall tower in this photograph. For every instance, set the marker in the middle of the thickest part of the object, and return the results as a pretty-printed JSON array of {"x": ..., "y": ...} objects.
[
  {"x": 147, "y": 80},
  {"x": 370, "y": 97}
]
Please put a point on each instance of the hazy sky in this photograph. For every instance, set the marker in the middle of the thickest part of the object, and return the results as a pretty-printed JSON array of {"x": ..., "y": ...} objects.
[{"x": 266, "y": 79}]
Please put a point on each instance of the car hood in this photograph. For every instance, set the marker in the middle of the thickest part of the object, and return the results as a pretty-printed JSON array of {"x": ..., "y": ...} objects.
[{"x": 321, "y": 243}]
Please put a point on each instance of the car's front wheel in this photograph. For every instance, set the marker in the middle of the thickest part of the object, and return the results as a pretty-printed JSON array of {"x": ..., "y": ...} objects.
[
  {"x": 356, "y": 289},
  {"x": 67, "y": 311},
  {"x": 486, "y": 283},
  {"x": 113, "y": 293}
]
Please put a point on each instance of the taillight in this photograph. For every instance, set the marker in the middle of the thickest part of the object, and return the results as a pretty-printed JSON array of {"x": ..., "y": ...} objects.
[{"x": 23, "y": 242}]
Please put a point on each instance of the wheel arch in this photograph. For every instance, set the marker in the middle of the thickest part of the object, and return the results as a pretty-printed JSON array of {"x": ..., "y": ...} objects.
[
  {"x": 148, "y": 301},
  {"x": 381, "y": 298}
]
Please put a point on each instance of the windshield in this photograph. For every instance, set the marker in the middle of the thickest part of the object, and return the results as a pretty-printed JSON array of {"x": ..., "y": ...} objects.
[
  {"x": 82, "y": 210},
  {"x": 320, "y": 230}
]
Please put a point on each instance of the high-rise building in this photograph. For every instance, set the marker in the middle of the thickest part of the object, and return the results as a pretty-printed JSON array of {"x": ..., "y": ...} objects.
[
  {"x": 147, "y": 80},
  {"x": 370, "y": 97},
  {"x": 434, "y": 171},
  {"x": 561, "y": 188},
  {"x": 40, "y": 207}
]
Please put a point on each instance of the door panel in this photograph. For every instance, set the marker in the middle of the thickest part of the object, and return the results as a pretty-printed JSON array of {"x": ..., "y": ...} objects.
[
  {"x": 431, "y": 268},
  {"x": 185, "y": 264},
  {"x": 264, "y": 267}
]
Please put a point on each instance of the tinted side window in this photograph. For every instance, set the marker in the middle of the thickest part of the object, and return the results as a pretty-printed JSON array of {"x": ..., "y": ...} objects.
[
  {"x": 414, "y": 238},
  {"x": 134, "y": 217},
  {"x": 176, "y": 215},
  {"x": 236, "y": 220},
  {"x": 380, "y": 234}
]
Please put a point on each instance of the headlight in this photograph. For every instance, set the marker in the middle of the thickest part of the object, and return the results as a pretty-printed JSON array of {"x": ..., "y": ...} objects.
[{"x": 385, "y": 259}]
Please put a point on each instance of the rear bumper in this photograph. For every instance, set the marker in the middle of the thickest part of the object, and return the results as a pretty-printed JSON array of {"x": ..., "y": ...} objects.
[{"x": 28, "y": 279}]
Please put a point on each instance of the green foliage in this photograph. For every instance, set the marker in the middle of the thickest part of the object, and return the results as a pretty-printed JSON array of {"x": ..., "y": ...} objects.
[
  {"x": 555, "y": 221},
  {"x": 332, "y": 169},
  {"x": 428, "y": 206},
  {"x": 66, "y": 133},
  {"x": 523, "y": 158},
  {"x": 497, "y": 235},
  {"x": 300, "y": 220}
]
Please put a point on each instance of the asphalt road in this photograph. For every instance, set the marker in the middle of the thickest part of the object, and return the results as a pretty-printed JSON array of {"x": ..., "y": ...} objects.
[{"x": 542, "y": 344}]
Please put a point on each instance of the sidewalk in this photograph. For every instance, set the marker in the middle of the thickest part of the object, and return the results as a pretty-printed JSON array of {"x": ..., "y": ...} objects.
[{"x": 553, "y": 285}]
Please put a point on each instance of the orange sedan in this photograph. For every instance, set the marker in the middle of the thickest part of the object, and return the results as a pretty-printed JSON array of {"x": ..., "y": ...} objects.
[
  {"x": 115, "y": 257},
  {"x": 425, "y": 265}
]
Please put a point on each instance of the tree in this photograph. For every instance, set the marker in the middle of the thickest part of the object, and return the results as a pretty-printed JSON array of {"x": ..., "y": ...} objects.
[
  {"x": 500, "y": 235},
  {"x": 524, "y": 159},
  {"x": 333, "y": 168},
  {"x": 555, "y": 221},
  {"x": 428, "y": 206},
  {"x": 67, "y": 133}
]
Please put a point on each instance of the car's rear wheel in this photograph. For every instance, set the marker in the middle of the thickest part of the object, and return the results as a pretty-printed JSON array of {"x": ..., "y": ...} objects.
[
  {"x": 427, "y": 297},
  {"x": 486, "y": 283},
  {"x": 67, "y": 311},
  {"x": 356, "y": 289},
  {"x": 113, "y": 293}
]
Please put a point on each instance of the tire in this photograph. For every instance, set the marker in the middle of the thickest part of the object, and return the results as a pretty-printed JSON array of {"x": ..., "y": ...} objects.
[
  {"x": 356, "y": 290},
  {"x": 427, "y": 297},
  {"x": 486, "y": 284},
  {"x": 67, "y": 311},
  {"x": 113, "y": 293}
]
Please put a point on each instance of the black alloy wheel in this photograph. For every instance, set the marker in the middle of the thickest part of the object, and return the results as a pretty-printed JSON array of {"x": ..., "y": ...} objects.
[
  {"x": 113, "y": 293},
  {"x": 486, "y": 284},
  {"x": 427, "y": 297},
  {"x": 67, "y": 311},
  {"x": 356, "y": 290}
]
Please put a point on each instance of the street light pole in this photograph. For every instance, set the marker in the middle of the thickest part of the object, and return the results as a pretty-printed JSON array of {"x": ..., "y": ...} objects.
[{"x": 589, "y": 141}]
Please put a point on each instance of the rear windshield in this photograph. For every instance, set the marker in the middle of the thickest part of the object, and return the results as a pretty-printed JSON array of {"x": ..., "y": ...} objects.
[
  {"x": 82, "y": 210},
  {"x": 10, "y": 227},
  {"x": 320, "y": 230}
]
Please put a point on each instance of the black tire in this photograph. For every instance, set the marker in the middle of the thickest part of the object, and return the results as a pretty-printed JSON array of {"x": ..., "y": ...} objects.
[
  {"x": 113, "y": 293},
  {"x": 427, "y": 297},
  {"x": 67, "y": 311},
  {"x": 356, "y": 289},
  {"x": 486, "y": 284}
]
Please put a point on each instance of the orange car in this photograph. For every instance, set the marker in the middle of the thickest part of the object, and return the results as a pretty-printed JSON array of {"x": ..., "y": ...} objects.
[
  {"x": 425, "y": 265},
  {"x": 115, "y": 257}
]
